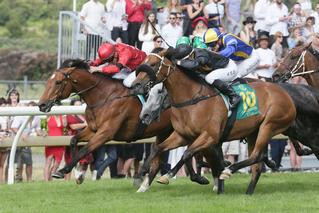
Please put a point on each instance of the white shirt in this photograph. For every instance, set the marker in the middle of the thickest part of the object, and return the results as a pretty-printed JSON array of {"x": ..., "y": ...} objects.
[
  {"x": 267, "y": 56},
  {"x": 147, "y": 39},
  {"x": 93, "y": 12},
  {"x": 115, "y": 14},
  {"x": 260, "y": 15},
  {"x": 214, "y": 8},
  {"x": 171, "y": 34},
  {"x": 272, "y": 19},
  {"x": 34, "y": 125}
]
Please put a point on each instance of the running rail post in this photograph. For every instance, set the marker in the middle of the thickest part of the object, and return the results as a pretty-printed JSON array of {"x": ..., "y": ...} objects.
[{"x": 13, "y": 150}]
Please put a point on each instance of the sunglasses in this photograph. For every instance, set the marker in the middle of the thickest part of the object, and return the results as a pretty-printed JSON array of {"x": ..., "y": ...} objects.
[
  {"x": 172, "y": 18},
  {"x": 179, "y": 17},
  {"x": 159, "y": 42}
]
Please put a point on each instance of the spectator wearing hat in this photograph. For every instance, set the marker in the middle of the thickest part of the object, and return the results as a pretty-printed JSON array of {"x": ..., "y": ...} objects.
[
  {"x": 195, "y": 10},
  {"x": 248, "y": 34},
  {"x": 199, "y": 25},
  {"x": 277, "y": 46},
  {"x": 309, "y": 28},
  {"x": 214, "y": 12},
  {"x": 268, "y": 60}
]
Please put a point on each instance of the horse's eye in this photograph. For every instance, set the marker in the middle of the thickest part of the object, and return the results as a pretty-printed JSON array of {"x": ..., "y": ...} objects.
[{"x": 58, "y": 82}]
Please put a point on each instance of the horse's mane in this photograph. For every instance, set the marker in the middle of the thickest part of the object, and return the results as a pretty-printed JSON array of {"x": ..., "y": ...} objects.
[{"x": 83, "y": 65}]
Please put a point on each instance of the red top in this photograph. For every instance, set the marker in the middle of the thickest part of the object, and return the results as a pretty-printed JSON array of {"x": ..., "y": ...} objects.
[
  {"x": 73, "y": 119},
  {"x": 136, "y": 13},
  {"x": 53, "y": 129},
  {"x": 127, "y": 56}
]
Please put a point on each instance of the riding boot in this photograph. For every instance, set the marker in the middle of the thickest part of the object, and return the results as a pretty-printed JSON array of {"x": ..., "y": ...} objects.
[{"x": 226, "y": 89}]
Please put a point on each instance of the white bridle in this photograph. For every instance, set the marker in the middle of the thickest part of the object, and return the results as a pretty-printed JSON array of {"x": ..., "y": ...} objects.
[
  {"x": 301, "y": 65},
  {"x": 161, "y": 64}
]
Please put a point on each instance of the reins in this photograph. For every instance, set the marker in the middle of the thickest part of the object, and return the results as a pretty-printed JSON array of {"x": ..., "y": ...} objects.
[
  {"x": 189, "y": 102},
  {"x": 79, "y": 93}
]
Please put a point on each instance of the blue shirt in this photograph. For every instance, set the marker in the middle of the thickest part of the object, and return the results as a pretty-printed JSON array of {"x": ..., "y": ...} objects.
[{"x": 235, "y": 48}]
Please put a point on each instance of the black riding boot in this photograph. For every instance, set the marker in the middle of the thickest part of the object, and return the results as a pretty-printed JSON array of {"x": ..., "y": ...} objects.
[{"x": 226, "y": 89}]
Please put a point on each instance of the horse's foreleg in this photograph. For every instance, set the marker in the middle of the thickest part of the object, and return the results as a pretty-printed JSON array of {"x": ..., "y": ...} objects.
[
  {"x": 103, "y": 135},
  {"x": 82, "y": 136},
  {"x": 172, "y": 142}
]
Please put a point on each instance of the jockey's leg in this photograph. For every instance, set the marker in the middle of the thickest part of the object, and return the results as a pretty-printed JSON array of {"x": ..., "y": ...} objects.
[
  {"x": 151, "y": 109},
  {"x": 248, "y": 65},
  {"x": 218, "y": 79},
  {"x": 128, "y": 81}
]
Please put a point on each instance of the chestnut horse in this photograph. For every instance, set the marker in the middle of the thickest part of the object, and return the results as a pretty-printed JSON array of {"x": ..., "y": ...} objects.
[
  {"x": 111, "y": 113},
  {"x": 301, "y": 61},
  {"x": 203, "y": 115}
]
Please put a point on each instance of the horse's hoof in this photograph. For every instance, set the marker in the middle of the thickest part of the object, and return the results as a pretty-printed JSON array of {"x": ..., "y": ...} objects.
[
  {"x": 145, "y": 185},
  {"x": 142, "y": 189},
  {"x": 58, "y": 175},
  {"x": 79, "y": 176},
  {"x": 137, "y": 181},
  {"x": 200, "y": 180},
  {"x": 225, "y": 174},
  {"x": 227, "y": 163},
  {"x": 163, "y": 180}
]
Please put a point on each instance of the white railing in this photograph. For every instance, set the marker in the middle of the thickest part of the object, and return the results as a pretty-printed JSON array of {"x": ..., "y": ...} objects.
[
  {"x": 34, "y": 141},
  {"x": 72, "y": 42}
]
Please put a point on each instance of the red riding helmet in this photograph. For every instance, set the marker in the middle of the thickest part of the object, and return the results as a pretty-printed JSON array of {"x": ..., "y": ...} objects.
[{"x": 106, "y": 50}]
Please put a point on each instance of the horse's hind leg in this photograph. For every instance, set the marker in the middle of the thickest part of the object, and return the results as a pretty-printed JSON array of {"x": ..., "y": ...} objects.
[
  {"x": 264, "y": 135},
  {"x": 300, "y": 151},
  {"x": 172, "y": 142}
]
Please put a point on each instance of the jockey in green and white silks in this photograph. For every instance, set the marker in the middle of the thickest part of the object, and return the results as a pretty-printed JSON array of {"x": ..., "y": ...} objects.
[{"x": 207, "y": 62}]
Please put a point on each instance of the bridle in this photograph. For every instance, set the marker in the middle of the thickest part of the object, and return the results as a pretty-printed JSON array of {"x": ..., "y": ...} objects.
[
  {"x": 162, "y": 63},
  {"x": 299, "y": 65},
  {"x": 67, "y": 78}
]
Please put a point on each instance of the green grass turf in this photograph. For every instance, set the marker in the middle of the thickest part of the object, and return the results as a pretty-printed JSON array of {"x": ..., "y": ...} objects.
[{"x": 284, "y": 192}]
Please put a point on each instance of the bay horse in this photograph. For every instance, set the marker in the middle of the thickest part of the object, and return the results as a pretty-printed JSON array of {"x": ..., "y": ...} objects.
[
  {"x": 112, "y": 113},
  {"x": 301, "y": 61},
  {"x": 203, "y": 115}
]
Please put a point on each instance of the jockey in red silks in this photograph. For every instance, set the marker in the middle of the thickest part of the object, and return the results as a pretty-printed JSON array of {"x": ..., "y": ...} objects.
[{"x": 120, "y": 57}]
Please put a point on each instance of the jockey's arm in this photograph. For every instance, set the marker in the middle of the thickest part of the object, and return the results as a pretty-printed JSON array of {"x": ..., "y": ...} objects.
[
  {"x": 112, "y": 68},
  {"x": 96, "y": 62},
  {"x": 193, "y": 64},
  {"x": 230, "y": 48}
]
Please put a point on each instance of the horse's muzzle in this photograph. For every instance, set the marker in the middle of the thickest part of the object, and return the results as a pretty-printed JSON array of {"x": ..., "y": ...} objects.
[{"x": 46, "y": 106}]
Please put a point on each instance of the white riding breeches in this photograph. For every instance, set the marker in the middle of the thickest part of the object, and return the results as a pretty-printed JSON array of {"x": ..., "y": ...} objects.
[
  {"x": 128, "y": 81},
  {"x": 227, "y": 74},
  {"x": 248, "y": 65}
]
